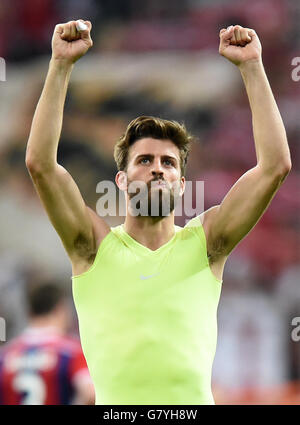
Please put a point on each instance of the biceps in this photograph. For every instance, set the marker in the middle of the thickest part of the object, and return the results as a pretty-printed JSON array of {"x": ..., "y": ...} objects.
[
  {"x": 65, "y": 206},
  {"x": 243, "y": 206}
]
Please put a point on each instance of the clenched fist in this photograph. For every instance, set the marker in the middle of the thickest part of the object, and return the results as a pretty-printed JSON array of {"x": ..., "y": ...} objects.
[
  {"x": 239, "y": 45},
  {"x": 69, "y": 44}
]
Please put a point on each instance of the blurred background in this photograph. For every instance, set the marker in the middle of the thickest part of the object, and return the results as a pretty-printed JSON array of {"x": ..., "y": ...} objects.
[{"x": 161, "y": 58}]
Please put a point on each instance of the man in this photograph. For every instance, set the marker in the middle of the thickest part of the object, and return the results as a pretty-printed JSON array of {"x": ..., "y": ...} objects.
[
  {"x": 147, "y": 291},
  {"x": 43, "y": 365}
]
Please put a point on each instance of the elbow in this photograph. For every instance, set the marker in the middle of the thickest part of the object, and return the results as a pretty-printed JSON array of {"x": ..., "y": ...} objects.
[
  {"x": 30, "y": 159},
  {"x": 285, "y": 168},
  {"x": 36, "y": 167},
  {"x": 279, "y": 171},
  {"x": 282, "y": 171},
  {"x": 29, "y": 163},
  {"x": 32, "y": 166}
]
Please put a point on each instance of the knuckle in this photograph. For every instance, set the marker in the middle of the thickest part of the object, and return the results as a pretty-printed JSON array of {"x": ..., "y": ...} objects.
[{"x": 59, "y": 27}]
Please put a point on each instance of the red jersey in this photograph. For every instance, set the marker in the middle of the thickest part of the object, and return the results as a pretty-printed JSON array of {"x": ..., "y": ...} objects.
[{"x": 41, "y": 366}]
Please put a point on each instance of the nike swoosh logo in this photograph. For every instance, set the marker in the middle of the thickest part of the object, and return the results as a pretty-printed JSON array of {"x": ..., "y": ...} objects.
[{"x": 148, "y": 277}]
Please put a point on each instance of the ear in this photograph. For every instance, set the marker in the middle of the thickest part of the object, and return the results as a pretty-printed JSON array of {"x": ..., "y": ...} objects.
[
  {"x": 182, "y": 185},
  {"x": 121, "y": 180}
]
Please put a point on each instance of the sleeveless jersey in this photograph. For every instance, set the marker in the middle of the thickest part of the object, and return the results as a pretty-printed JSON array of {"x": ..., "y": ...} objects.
[{"x": 148, "y": 319}]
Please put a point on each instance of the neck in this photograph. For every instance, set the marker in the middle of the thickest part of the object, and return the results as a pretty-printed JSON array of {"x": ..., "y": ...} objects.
[
  {"x": 152, "y": 232},
  {"x": 45, "y": 322}
]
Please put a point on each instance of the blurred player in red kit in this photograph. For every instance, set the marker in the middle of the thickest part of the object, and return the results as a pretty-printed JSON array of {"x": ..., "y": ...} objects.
[{"x": 43, "y": 365}]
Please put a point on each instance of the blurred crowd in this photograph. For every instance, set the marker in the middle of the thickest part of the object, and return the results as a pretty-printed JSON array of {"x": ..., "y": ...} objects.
[{"x": 161, "y": 58}]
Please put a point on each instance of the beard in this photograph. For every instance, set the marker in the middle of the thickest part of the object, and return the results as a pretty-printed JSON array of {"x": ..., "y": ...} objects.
[{"x": 152, "y": 200}]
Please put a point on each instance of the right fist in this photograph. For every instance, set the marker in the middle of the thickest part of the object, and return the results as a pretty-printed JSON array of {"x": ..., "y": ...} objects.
[{"x": 68, "y": 43}]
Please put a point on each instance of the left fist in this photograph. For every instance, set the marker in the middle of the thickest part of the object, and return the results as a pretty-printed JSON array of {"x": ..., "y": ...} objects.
[{"x": 239, "y": 45}]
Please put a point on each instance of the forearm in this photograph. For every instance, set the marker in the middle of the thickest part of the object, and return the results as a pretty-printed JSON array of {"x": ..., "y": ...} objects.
[
  {"x": 269, "y": 133},
  {"x": 47, "y": 121}
]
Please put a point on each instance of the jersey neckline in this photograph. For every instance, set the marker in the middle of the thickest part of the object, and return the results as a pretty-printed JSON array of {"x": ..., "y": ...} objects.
[{"x": 145, "y": 249}]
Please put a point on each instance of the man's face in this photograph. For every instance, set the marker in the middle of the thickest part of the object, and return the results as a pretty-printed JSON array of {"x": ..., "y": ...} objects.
[{"x": 155, "y": 165}]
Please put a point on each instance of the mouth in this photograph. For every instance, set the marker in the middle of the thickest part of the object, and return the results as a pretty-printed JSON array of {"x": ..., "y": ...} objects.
[{"x": 158, "y": 185}]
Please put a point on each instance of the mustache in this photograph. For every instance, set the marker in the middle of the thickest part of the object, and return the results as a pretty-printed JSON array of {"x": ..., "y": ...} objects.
[
  {"x": 134, "y": 187},
  {"x": 155, "y": 180}
]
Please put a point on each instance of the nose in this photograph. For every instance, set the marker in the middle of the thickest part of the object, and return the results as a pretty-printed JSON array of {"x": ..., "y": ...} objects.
[
  {"x": 157, "y": 170},
  {"x": 157, "y": 175}
]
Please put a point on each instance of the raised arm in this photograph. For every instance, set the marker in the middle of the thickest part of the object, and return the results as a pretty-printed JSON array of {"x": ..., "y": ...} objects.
[
  {"x": 72, "y": 219},
  {"x": 229, "y": 222}
]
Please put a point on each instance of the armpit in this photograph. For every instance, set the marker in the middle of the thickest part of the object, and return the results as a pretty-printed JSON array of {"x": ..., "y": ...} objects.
[
  {"x": 216, "y": 249},
  {"x": 84, "y": 249}
]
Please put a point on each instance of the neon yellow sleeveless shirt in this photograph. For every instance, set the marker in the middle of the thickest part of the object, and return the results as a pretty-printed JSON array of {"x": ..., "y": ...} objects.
[{"x": 148, "y": 319}]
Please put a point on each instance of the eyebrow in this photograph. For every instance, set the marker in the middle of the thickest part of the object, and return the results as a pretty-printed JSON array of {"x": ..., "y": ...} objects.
[{"x": 148, "y": 155}]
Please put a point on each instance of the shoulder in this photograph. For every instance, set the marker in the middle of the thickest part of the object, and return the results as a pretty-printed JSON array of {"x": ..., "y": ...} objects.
[
  {"x": 15, "y": 344},
  {"x": 207, "y": 216},
  {"x": 69, "y": 344},
  {"x": 206, "y": 219}
]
